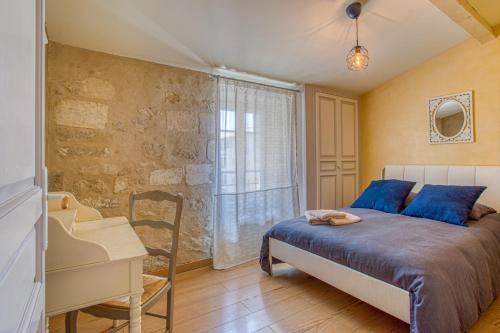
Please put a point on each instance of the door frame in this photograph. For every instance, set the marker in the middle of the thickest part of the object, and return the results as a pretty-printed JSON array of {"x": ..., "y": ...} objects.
[{"x": 40, "y": 169}]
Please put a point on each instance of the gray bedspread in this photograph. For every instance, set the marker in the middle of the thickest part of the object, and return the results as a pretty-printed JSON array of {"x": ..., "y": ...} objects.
[{"x": 452, "y": 272}]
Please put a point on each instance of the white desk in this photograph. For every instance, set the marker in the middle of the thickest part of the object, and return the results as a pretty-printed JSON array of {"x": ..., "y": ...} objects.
[{"x": 91, "y": 262}]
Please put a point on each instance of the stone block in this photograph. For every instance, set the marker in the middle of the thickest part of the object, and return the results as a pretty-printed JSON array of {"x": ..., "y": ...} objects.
[
  {"x": 83, "y": 186},
  {"x": 211, "y": 105},
  {"x": 197, "y": 204},
  {"x": 153, "y": 150},
  {"x": 183, "y": 121},
  {"x": 119, "y": 125},
  {"x": 211, "y": 150},
  {"x": 146, "y": 112},
  {"x": 99, "y": 203},
  {"x": 96, "y": 88},
  {"x": 75, "y": 113},
  {"x": 197, "y": 174},
  {"x": 97, "y": 169},
  {"x": 187, "y": 147},
  {"x": 56, "y": 182},
  {"x": 121, "y": 184},
  {"x": 207, "y": 124},
  {"x": 73, "y": 151},
  {"x": 146, "y": 119},
  {"x": 90, "y": 87},
  {"x": 172, "y": 97},
  {"x": 166, "y": 176},
  {"x": 65, "y": 134}
]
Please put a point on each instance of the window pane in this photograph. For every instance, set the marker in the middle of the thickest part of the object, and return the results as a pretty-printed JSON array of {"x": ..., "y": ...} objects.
[
  {"x": 227, "y": 151},
  {"x": 227, "y": 120},
  {"x": 249, "y": 122},
  {"x": 252, "y": 181},
  {"x": 228, "y": 182}
]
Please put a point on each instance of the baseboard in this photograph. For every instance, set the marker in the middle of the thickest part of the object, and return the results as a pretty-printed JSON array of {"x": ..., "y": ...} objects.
[
  {"x": 194, "y": 265},
  {"x": 186, "y": 267}
]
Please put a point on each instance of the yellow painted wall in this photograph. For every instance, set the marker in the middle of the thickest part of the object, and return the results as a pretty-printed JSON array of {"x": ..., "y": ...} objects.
[{"x": 393, "y": 117}]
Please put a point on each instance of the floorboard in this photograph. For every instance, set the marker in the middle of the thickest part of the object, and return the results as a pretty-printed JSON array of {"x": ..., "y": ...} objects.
[{"x": 244, "y": 299}]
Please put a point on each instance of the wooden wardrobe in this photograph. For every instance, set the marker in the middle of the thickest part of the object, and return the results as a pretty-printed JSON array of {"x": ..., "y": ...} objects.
[{"x": 332, "y": 148}]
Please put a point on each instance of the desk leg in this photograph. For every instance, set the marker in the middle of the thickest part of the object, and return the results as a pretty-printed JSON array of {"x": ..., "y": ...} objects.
[{"x": 135, "y": 314}]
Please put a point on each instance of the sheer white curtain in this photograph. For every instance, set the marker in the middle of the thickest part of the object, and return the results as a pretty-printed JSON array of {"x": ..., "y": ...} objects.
[{"x": 256, "y": 180}]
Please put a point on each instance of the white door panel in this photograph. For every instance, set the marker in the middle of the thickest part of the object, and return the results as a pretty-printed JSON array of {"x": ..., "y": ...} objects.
[
  {"x": 22, "y": 222},
  {"x": 17, "y": 90},
  {"x": 18, "y": 285},
  {"x": 16, "y": 224}
]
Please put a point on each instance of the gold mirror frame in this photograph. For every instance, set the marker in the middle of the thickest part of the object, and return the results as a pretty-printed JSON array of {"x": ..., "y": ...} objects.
[{"x": 466, "y": 134}]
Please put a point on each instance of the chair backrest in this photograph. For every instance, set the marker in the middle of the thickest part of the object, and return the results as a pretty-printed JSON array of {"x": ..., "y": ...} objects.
[{"x": 178, "y": 199}]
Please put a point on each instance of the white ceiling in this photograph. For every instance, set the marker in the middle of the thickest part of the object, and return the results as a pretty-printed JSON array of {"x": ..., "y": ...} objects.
[{"x": 303, "y": 41}]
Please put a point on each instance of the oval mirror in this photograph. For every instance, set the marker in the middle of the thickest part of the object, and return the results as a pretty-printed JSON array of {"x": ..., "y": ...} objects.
[{"x": 449, "y": 119}]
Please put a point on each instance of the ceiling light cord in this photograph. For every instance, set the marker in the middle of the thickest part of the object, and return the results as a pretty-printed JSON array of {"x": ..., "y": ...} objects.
[{"x": 357, "y": 42}]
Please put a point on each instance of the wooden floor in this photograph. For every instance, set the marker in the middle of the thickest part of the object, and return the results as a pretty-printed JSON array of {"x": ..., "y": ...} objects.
[{"x": 244, "y": 299}]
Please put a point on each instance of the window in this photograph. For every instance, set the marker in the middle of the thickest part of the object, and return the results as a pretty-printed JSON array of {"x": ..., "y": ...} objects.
[
  {"x": 228, "y": 155},
  {"x": 256, "y": 153}
]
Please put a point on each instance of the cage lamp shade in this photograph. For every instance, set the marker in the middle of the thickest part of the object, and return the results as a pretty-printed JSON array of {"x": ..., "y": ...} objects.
[{"x": 357, "y": 59}]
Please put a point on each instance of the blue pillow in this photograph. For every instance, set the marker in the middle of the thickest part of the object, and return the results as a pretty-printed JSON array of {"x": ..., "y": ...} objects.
[
  {"x": 387, "y": 195},
  {"x": 445, "y": 203}
]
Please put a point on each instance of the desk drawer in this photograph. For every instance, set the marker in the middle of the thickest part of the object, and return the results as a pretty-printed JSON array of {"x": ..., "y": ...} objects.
[{"x": 88, "y": 285}]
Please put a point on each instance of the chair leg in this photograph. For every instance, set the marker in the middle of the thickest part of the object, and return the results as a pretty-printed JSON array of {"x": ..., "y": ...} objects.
[
  {"x": 71, "y": 321},
  {"x": 170, "y": 311}
]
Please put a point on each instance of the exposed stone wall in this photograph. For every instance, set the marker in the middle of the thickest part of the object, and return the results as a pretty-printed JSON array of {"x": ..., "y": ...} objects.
[{"x": 115, "y": 125}]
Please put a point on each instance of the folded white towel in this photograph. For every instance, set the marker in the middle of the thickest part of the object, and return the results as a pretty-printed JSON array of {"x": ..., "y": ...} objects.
[
  {"x": 349, "y": 218},
  {"x": 326, "y": 214},
  {"x": 330, "y": 216}
]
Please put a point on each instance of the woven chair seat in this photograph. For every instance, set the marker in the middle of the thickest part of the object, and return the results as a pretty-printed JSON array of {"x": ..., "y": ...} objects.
[{"x": 152, "y": 286}]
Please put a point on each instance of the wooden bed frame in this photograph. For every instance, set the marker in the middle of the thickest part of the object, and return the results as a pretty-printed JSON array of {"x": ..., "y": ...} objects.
[{"x": 382, "y": 295}]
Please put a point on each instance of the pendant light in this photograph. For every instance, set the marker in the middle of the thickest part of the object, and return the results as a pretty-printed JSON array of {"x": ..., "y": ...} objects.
[{"x": 357, "y": 59}]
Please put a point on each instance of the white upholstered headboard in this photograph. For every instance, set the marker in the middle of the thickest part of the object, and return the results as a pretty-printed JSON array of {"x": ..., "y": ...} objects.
[{"x": 451, "y": 175}]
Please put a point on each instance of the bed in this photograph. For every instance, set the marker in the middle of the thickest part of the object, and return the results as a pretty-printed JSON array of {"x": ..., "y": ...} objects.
[{"x": 435, "y": 276}]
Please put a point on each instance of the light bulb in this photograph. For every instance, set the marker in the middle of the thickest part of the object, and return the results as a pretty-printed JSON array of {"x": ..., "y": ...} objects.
[{"x": 357, "y": 59}]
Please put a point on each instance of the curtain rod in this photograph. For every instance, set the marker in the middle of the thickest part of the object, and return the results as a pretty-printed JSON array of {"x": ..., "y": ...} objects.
[
  {"x": 256, "y": 83},
  {"x": 222, "y": 72}
]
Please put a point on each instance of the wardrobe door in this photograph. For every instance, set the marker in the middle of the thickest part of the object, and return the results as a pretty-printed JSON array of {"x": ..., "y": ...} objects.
[
  {"x": 336, "y": 151},
  {"x": 348, "y": 152},
  {"x": 327, "y": 154}
]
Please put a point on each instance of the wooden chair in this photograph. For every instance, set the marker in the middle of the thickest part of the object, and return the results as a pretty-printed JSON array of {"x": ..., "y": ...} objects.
[{"x": 154, "y": 286}]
